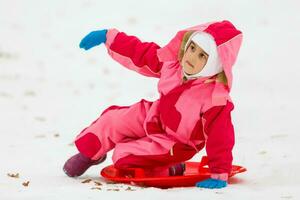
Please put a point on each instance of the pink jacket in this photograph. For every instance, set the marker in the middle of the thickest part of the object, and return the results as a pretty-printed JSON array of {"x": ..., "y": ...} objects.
[{"x": 195, "y": 112}]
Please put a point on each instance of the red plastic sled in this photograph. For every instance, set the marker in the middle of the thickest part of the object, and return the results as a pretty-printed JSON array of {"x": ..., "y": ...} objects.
[{"x": 194, "y": 172}]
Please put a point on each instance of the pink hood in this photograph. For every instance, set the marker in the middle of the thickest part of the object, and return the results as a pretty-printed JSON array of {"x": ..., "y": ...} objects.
[{"x": 226, "y": 36}]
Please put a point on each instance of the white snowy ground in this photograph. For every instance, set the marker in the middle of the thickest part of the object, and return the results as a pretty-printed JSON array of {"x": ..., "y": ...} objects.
[{"x": 50, "y": 90}]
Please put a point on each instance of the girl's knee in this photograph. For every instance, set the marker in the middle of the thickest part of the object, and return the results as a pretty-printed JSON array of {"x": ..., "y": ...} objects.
[{"x": 88, "y": 144}]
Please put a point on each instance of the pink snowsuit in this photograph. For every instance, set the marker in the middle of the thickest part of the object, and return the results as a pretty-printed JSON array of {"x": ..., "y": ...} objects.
[{"x": 188, "y": 115}]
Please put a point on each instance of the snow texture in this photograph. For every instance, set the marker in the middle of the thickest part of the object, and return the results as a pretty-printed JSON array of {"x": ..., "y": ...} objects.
[{"x": 50, "y": 90}]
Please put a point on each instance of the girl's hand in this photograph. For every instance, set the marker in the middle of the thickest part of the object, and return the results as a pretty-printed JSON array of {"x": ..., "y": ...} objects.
[
  {"x": 92, "y": 39},
  {"x": 211, "y": 183}
]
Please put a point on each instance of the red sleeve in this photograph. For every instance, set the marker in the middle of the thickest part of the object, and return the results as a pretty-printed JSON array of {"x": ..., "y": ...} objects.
[
  {"x": 220, "y": 138},
  {"x": 136, "y": 55}
]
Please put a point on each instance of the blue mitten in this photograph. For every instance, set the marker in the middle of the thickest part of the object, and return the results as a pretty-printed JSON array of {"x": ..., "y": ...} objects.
[
  {"x": 211, "y": 183},
  {"x": 92, "y": 39}
]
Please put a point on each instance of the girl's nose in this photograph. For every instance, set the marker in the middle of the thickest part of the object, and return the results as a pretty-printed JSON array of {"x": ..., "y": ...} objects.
[{"x": 193, "y": 58}]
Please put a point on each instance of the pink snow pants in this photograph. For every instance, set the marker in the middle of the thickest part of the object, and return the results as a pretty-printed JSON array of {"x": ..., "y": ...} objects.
[{"x": 121, "y": 128}]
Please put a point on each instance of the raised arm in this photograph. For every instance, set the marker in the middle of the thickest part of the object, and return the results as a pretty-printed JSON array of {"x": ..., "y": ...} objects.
[
  {"x": 133, "y": 53},
  {"x": 127, "y": 50}
]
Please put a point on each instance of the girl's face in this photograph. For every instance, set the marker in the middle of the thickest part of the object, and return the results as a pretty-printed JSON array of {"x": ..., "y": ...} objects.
[{"x": 194, "y": 59}]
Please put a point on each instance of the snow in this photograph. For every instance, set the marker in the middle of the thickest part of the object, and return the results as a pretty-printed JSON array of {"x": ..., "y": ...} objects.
[{"x": 50, "y": 90}]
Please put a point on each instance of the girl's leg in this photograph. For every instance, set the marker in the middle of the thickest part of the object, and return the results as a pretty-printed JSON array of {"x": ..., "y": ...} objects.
[
  {"x": 116, "y": 124},
  {"x": 144, "y": 153}
]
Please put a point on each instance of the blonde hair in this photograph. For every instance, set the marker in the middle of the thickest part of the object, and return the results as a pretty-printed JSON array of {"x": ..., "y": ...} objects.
[
  {"x": 220, "y": 77},
  {"x": 185, "y": 39}
]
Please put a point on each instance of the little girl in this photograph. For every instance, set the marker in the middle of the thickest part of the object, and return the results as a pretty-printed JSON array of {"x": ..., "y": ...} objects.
[{"x": 192, "y": 112}]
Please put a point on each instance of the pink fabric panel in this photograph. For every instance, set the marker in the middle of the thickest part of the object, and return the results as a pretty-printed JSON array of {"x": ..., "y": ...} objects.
[
  {"x": 228, "y": 53},
  {"x": 110, "y": 36},
  {"x": 127, "y": 62},
  {"x": 118, "y": 124}
]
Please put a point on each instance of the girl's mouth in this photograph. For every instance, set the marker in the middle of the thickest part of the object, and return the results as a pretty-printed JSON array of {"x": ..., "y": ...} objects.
[{"x": 190, "y": 64}]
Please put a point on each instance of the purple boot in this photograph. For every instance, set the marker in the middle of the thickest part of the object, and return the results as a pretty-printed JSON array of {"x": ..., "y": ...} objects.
[
  {"x": 177, "y": 170},
  {"x": 78, "y": 164}
]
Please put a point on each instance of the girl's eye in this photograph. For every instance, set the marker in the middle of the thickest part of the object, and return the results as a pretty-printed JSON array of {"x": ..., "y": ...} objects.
[
  {"x": 192, "y": 48},
  {"x": 202, "y": 55}
]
